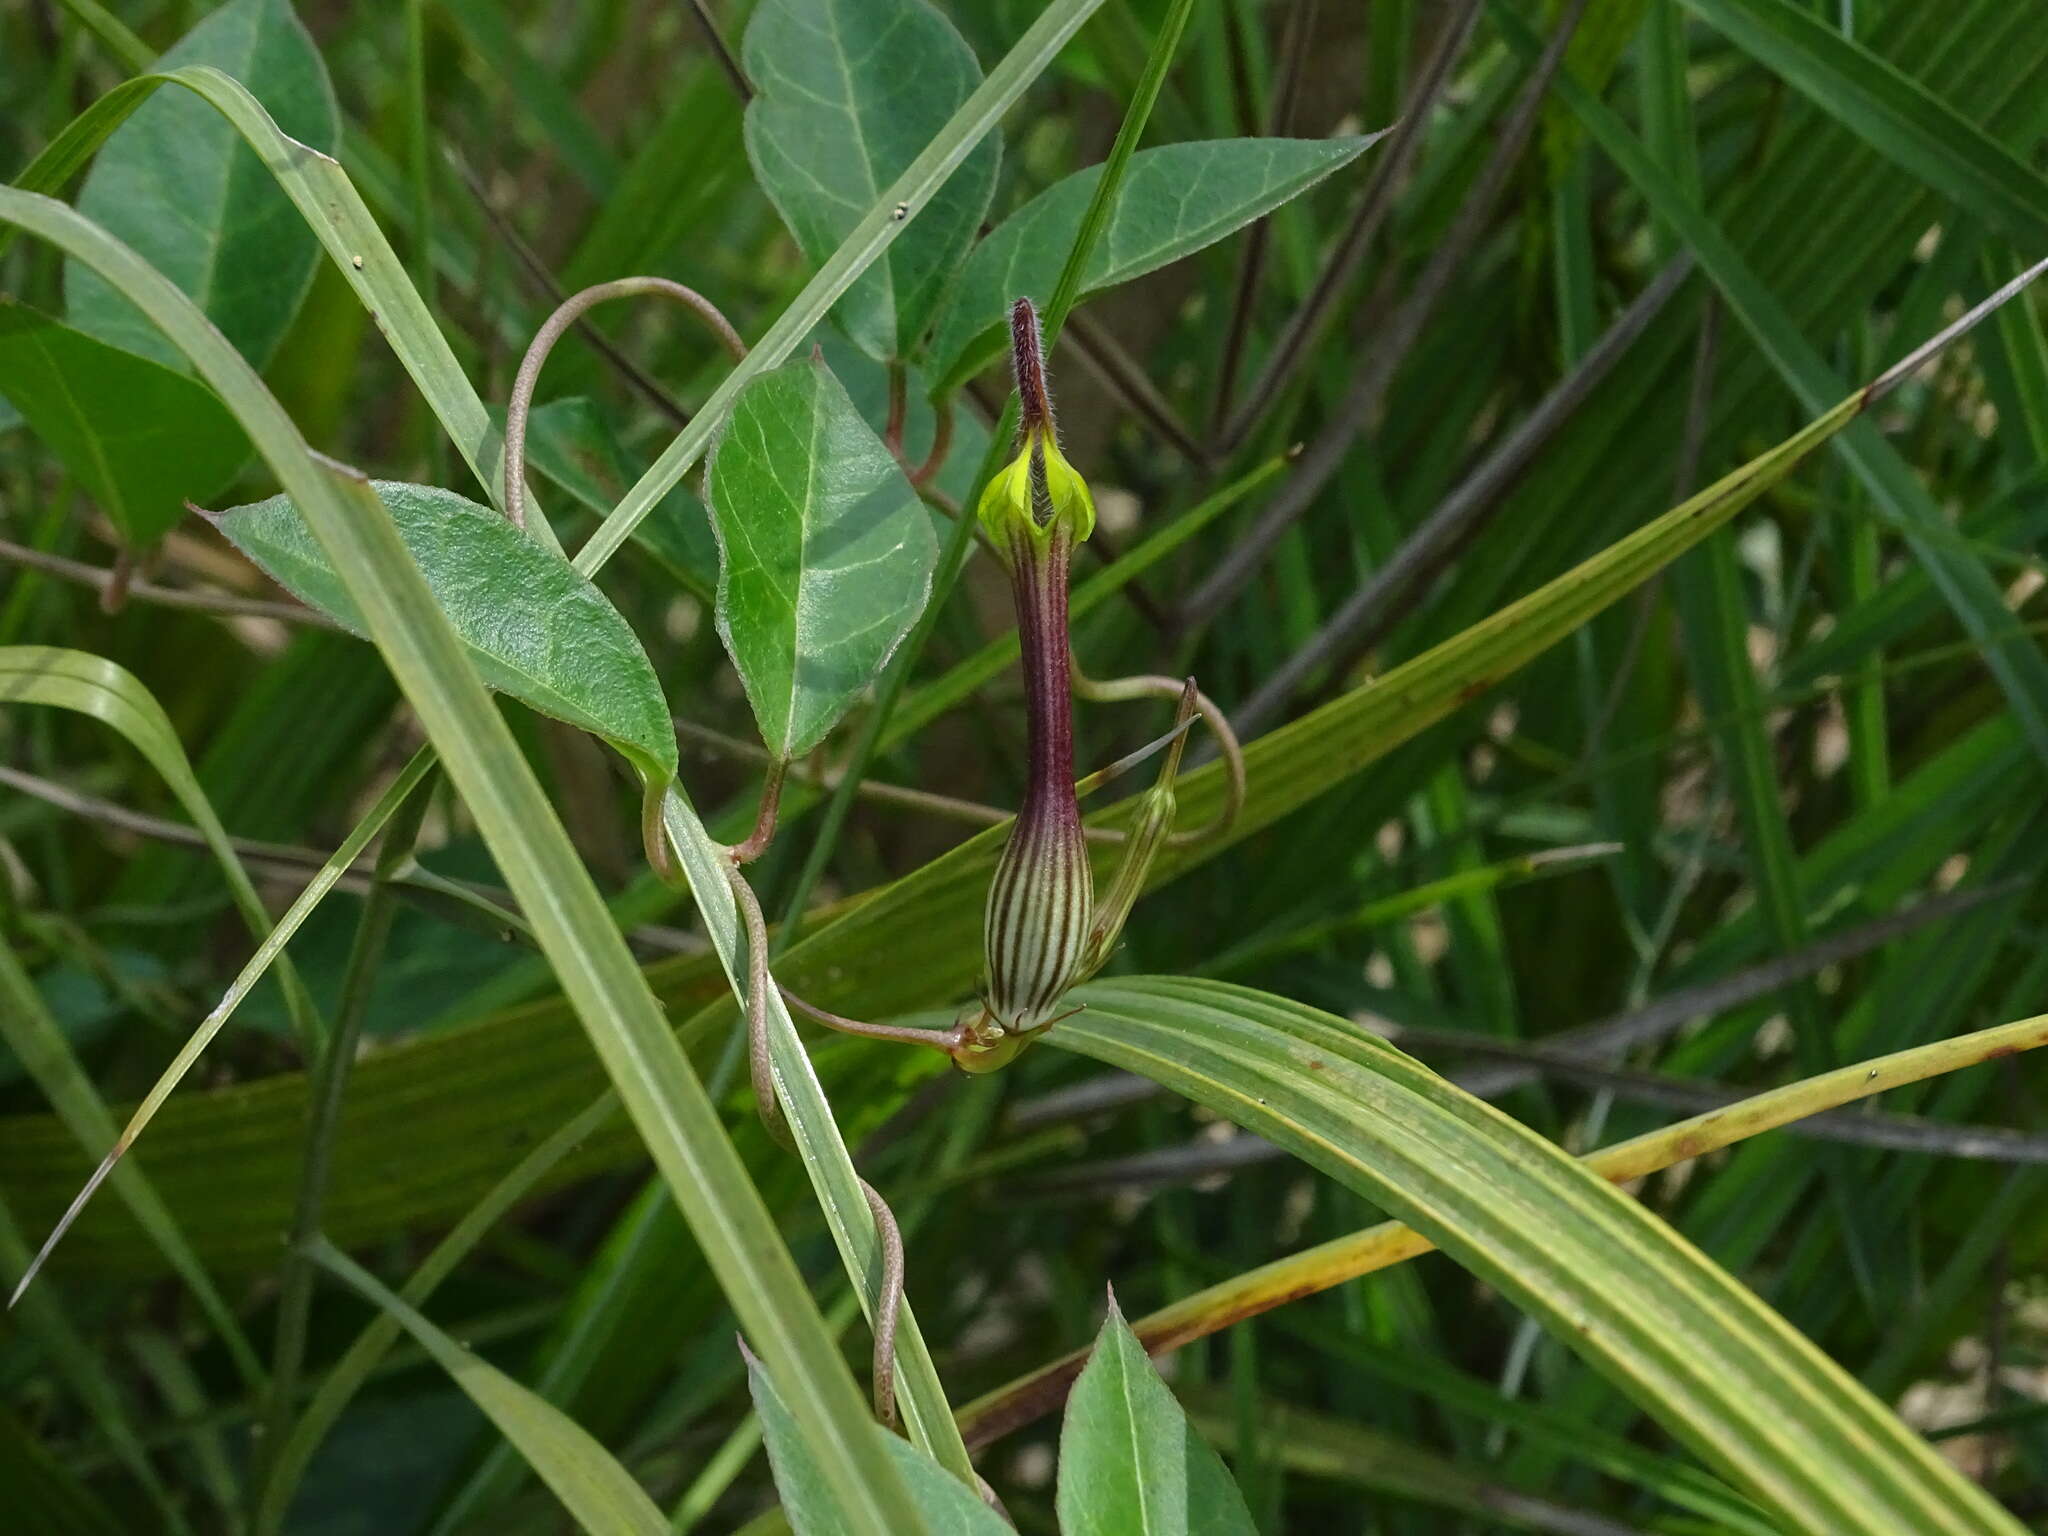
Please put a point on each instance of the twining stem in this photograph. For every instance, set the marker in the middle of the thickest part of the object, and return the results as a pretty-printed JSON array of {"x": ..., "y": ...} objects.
[
  {"x": 757, "y": 841},
  {"x": 942, "y": 444},
  {"x": 566, "y": 314},
  {"x": 1066, "y": 290},
  {"x": 761, "y": 1067}
]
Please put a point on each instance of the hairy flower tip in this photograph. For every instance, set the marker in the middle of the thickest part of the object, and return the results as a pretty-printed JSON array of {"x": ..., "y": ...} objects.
[
  {"x": 1027, "y": 357},
  {"x": 1038, "y": 497}
]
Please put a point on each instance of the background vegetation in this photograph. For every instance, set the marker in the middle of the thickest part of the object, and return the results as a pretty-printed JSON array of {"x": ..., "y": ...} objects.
[{"x": 1774, "y": 811}]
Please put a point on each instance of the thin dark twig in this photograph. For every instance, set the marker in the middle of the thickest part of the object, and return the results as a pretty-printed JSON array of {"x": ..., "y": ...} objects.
[
  {"x": 223, "y": 604},
  {"x": 1390, "y": 349},
  {"x": 114, "y": 595},
  {"x": 722, "y": 51},
  {"x": 1684, "y": 480},
  {"x": 288, "y": 861},
  {"x": 1133, "y": 388},
  {"x": 1656, "y": 1020},
  {"x": 951, "y": 808},
  {"x": 1604, "y": 1038},
  {"x": 1363, "y": 615},
  {"x": 1899, "y": 1133},
  {"x": 1301, "y": 19},
  {"x": 543, "y": 282},
  {"x": 1375, "y": 203}
]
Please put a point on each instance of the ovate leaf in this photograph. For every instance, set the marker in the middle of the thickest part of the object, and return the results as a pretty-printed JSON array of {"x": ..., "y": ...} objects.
[
  {"x": 850, "y": 91},
  {"x": 534, "y": 628},
  {"x": 827, "y": 552},
  {"x": 177, "y": 183},
  {"x": 1130, "y": 1463},
  {"x": 946, "y": 1503},
  {"x": 1175, "y": 200},
  {"x": 141, "y": 438}
]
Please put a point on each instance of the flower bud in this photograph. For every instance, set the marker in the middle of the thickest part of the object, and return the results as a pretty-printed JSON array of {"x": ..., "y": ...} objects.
[
  {"x": 1038, "y": 502},
  {"x": 1040, "y": 903}
]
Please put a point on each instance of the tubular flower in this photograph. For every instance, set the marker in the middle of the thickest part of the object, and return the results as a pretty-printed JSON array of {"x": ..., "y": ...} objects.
[
  {"x": 1044, "y": 930},
  {"x": 1039, "y": 934}
]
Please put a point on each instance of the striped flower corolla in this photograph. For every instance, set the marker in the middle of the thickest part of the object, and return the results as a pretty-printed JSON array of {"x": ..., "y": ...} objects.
[{"x": 1044, "y": 931}]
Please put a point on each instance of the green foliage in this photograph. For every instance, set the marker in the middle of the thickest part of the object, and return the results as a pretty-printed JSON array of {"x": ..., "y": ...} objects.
[
  {"x": 592, "y": 1486},
  {"x": 177, "y": 184},
  {"x": 946, "y": 1504},
  {"x": 825, "y": 554},
  {"x": 535, "y": 629},
  {"x": 1631, "y": 757},
  {"x": 572, "y": 444},
  {"x": 140, "y": 438},
  {"x": 1682, "y": 1336},
  {"x": 1129, "y": 1459},
  {"x": 1176, "y": 199},
  {"x": 849, "y": 92}
]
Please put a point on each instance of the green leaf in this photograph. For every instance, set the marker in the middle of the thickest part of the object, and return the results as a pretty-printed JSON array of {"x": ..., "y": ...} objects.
[
  {"x": 1130, "y": 1463},
  {"x": 895, "y": 213},
  {"x": 827, "y": 552},
  {"x": 1890, "y": 111},
  {"x": 1175, "y": 200},
  {"x": 676, "y": 1120},
  {"x": 592, "y": 1486},
  {"x": 141, "y": 438},
  {"x": 849, "y": 92},
  {"x": 177, "y": 184},
  {"x": 949, "y": 1508},
  {"x": 571, "y": 443},
  {"x": 108, "y": 692},
  {"x": 534, "y": 628},
  {"x": 1611, "y": 1281}
]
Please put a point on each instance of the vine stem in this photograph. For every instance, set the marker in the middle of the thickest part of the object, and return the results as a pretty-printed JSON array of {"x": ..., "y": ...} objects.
[{"x": 567, "y": 313}]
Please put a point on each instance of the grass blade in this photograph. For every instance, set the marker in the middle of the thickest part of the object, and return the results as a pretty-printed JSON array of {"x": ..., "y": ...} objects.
[
  {"x": 593, "y": 1487},
  {"x": 1674, "y": 1331},
  {"x": 1889, "y": 110},
  {"x": 626, "y": 1025}
]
